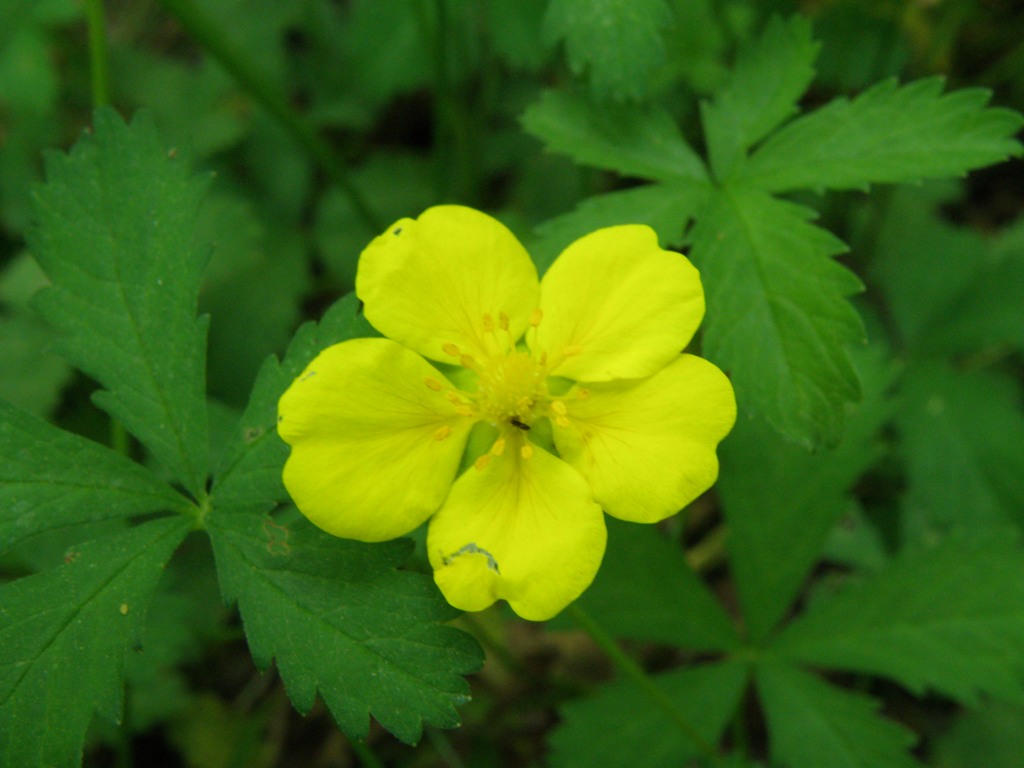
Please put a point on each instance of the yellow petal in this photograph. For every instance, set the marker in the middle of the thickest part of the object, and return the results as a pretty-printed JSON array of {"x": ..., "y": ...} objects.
[
  {"x": 647, "y": 448},
  {"x": 523, "y": 530},
  {"x": 375, "y": 443},
  {"x": 442, "y": 280},
  {"x": 616, "y": 306}
]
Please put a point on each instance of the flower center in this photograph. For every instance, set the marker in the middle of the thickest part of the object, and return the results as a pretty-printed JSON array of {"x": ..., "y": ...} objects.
[{"x": 510, "y": 387}]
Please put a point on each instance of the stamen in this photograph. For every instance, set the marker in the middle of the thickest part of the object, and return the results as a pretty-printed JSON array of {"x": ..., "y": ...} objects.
[
  {"x": 561, "y": 421},
  {"x": 442, "y": 432},
  {"x": 464, "y": 410},
  {"x": 582, "y": 394},
  {"x": 488, "y": 323},
  {"x": 503, "y": 321},
  {"x": 526, "y": 451},
  {"x": 498, "y": 448},
  {"x": 432, "y": 383},
  {"x": 453, "y": 398},
  {"x": 572, "y": 349},
  {"x": 450, "y": 349},
  {"x": 483, "y": 461},
  {"x": 536, "y": 316},
  {"x": 467, "y": 361},
  {"x": 559, "y": 407}
]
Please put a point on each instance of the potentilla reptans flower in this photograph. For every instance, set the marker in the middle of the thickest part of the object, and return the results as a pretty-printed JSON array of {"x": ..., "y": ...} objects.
[{"x": 561, "y": 398}]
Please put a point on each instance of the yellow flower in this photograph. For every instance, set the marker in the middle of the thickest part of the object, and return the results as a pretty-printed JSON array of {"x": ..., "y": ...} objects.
[{"x": 576, "y": 385}]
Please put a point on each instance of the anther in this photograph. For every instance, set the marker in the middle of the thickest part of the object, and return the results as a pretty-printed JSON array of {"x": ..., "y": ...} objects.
[
  {"x": 559, "y": 407},
  {"x": 498, "y": 448},
  {"x": 488, "y": 323},
  {"x": 536, "y": 316},
  {"x": 453, "y": 398},
  {"x": 450, "y": 349},
  {"x": 572, "y": 349},
  {"x": 526, "y": 451},
  {"x": 467, "y": 361},
  {"x": 483, "y": 461},
  {"x": 582, "y": 394},
  {"x": 433, "y": 384},
  {"x": 562, "y": 421},
  {"x": 464, "y": 410},
  {"x": 503, "y": 321},
  {"x": 442, "y": 432}
]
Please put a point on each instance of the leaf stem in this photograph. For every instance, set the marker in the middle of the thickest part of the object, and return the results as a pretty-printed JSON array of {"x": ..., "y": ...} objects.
[
  {"x": 205, "y": 31},
  {"x": 366, "y": 756},
  {"x": 99, "y": 61},
  {"x": 632, "y": 670}
]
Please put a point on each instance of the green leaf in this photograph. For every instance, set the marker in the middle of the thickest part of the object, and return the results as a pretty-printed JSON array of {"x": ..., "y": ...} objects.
[
  {"x": 618, "y": 42},
  {"x": 770, "y": 75},
  {"x": 666, "y": 208},
  {"x": 250, "y": 470},
  {"x": 886, "y": 134},
  {"x": 779, "y": 498},
  {"x": 634, "y": 141},
  {"x": 53, "y": 479},
  {"x": 950, "y": 618},
  {"x": 951, "y": 290},
  {"x": 812, "y": 724},
  {"x": 778, "y": 320},
  {"x": 646, "y": 590},
  {"x": 114, "y": 235},
  {"x": 65, "y": 634},
  {"x": 340, "y": 619},
  {"x": 609, "y": 728},
  {"x": 962, "y": 434},
  {"x": 993, "y": 731}
]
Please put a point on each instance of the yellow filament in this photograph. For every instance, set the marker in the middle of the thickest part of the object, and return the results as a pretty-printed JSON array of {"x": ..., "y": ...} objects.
[
  {"x": 572, "y": 349},
  {"x": 536, "y": 316},
  {"x": 464, "y": 410},
  {"x": 488, "y": 323},
  {"x": 503, "y": 321}
]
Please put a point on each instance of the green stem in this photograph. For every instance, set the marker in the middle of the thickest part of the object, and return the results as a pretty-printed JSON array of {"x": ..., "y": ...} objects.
[
  {"x": 445, "y": 751},
  {"x": 632, "y": 670},
  {"x": 99, "y": 67},
  {"x": 366, "y": 757},
  {"x": 248, "y": 75}
]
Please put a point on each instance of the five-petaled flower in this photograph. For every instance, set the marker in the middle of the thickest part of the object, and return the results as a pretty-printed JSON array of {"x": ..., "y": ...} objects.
[{"x": 560, "y": 398}]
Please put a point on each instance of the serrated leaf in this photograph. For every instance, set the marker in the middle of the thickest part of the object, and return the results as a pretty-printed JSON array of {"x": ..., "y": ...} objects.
[
  {"x": 886, "y": 134},
  {"x": 634, "y": 141},
  {"x": 250, "y": 470},
  {"x": 962, "y": 436},
  {"x": 778, "y": 320},
  {"x": 65, "y": 634},
  {"x": 950, "y": 619},
  {"x": 609, "y": 729},
  {"x": 114, "y": 235},
  {"x": 812, "y": 724},
  {"x": 951, "y": 290},
  {"x": 665, "y": 208},
  {"x": 617, "y": 42},
  {"x": 779, "y": 498},
  {"x": 339, "y": 619},
  {"x": 770, "y": 75},
  {"x": 646, "y": 590},
  {"x": 50, "y": 479}
]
